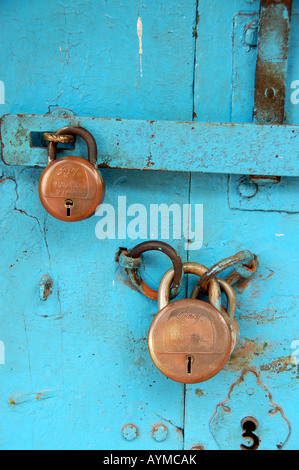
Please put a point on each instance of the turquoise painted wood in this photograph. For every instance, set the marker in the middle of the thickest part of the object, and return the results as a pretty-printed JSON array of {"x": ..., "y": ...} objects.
[{"x": 77, "y": 372}]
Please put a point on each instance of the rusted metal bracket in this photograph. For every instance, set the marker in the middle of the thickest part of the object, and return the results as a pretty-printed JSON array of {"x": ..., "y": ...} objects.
[{"x": 271, "y": 66}]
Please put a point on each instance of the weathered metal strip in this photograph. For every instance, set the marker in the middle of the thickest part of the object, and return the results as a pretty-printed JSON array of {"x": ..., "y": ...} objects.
[
  {"x": 233, "y": 148},
  {"x": 271, "y": 66}
]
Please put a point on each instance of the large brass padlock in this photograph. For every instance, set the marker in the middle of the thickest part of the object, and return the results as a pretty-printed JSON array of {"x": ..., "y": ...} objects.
[
  {"x": 190, "y": 340},
  {"x": 71, "y": 188}
]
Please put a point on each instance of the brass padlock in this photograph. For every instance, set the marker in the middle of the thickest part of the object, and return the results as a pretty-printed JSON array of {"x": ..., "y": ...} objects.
[
  {"x": 71, "y": 188},
  {"x": 190, "y": 340}
]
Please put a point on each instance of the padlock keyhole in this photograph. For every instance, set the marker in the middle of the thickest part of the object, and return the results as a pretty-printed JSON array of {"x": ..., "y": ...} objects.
[
  {"x": 68, "y": 204},
  {"x": 189, "y": 360}
]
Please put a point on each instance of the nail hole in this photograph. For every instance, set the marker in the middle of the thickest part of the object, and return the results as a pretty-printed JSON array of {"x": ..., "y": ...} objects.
[{"x": 270, "y": 92}]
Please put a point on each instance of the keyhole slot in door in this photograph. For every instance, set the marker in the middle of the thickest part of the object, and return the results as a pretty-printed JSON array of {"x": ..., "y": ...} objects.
[{"x": 249, "y": 425}]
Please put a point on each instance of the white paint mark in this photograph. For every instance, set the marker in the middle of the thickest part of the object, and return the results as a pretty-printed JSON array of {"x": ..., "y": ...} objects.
[
  {"x": 279, "y": 234},
  {"x": 139, "y": 34},
  {"x": 113, "y": 283}
]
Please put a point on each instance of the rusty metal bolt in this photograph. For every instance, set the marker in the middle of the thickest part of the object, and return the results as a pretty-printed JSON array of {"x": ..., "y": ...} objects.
[
  {"x": 160, "y": 432},
  {"x": 129, "y": 432}
]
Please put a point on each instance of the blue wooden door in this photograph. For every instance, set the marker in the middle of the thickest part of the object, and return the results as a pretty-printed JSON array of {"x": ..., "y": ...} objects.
[{"x": 77, "y": 372}]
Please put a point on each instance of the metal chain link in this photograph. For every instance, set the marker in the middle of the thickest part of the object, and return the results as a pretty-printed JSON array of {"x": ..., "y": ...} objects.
[{"x": 244, "y": 263}]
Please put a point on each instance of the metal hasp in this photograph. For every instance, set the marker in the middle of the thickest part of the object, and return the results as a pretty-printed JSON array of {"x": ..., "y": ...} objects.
[
  {"x": 230, "y": 148},
  {"x": 271, "y": 66}
]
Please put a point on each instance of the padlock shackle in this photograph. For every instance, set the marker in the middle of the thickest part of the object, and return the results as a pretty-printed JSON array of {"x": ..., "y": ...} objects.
[
  {"x": 189, "y": 268},
  {"x": 230, "y": 294},
  {"x": 81, "y": 132},
  {"x": 213, "y": 288}
]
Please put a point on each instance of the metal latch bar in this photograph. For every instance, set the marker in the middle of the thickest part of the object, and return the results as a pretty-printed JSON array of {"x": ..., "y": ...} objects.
[{"x": 231, "y": 148}]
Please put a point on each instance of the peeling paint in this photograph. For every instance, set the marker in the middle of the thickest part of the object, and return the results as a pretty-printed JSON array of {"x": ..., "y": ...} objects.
[
  {"x": 19, "y": 399},
  {"x": 281, "y": 364},
  {"x": 244, "y": 353}
]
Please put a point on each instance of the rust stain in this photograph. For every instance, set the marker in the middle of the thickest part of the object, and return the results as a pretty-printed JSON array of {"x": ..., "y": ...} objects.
[
  {"x": 180, "y": 431},
  {"x": 47, "y": 292},
  {"x": 159, "y": 428},
  {"x": 130, "y": 431},
  {"x": 199, "y": 392},
  {"x": 257, "y": 178},
  {"x": 270, "y": 75},
  {"x": 245, "y": 371},
  {"x": 275, "y": 408},
  {"x": 149, "y": 161},
  {"x": 269, "y": 78},
  {"x": 197, "y": 447},
  {"x": 267, "y": 316},
  {"x": 255, "y": 294},
  {"x": 105, "y": 165},
  {"x": 244, "y": 354},
  {"x": 286, "y": 3},
  {"x": 20, "y": 399},
  {"x": 243, "y": 283},
  {"x": 158, "y": 425},
  {"x": 279, "y": 365}
]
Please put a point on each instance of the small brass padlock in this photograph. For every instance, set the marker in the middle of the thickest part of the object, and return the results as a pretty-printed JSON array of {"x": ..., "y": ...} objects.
[
  {"x": 190, "y": 340},
  {"x": 71, "y": 188}
]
